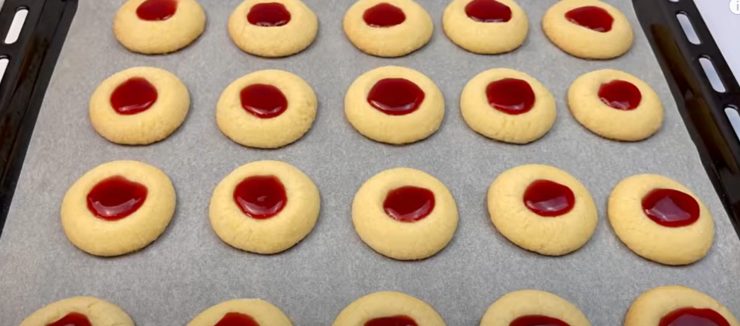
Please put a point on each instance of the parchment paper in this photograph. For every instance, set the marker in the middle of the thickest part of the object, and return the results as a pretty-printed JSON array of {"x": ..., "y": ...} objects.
[{"x": 189, "y": 269}]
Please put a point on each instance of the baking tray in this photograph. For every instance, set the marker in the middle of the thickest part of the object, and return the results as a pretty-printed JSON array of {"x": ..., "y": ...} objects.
[
  {"x": 29, "y": 64},
  {"x": 706, "y": 107},
  {"x": 189, "y": 269}
]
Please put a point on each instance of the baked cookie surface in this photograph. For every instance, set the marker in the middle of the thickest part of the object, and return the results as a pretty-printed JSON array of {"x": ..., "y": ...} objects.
[
  {"x": 388, "y": 308},
  {"x": 404, "y": 214},
  {"x": 387, "y": 28},
  {"x": 242, "y": 312},
  {"x": 589, "y": 29},
  {"x": 266, "y": 109},
  {"x": 264, "y": 207},
  {"x": 79, "y": 311},
  {"x": 117, "y": 208},
  {"x": 394, "y": 105},
  {"x": 485, "y": 26},
  {"x": 158, "y": 26},
  {"x": 533, "y": 307},
  {"x": 660, "y": 219},
  {"x": 139, "y": 106},
  {"x": 273, "y": 28},
  {"x": 542, "y": 209},
  {"x": 677, "y": 305},
  {"x": 615, "y": 105},
  {"x": 508, "y": 106}
]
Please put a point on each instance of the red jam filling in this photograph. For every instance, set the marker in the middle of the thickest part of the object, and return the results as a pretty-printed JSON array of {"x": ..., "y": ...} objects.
[
  {"x": 510, "y": 95},
  {"x": 488, "y": 11},
  {"x": 671, "y": 208},
  {"x": 133, "y": 96},
  {"x": 260, "y": 197},
  {"x": 537, "y": 320},
  {"x": 72, "y": 319},
  {"x": 548, "y": 199},
  {"x": 395, "y": 96},
  {"x": 156, "y": 9},
  {"x": 268, "y": 14},
  {"x": 392, "y": 321},
  {"x": 263, "y": 101},
  {"x": 237, "y": 319},
  {"x": 383, "y": 15},
  {"x": 693, "y": 317},
  {"x": 620, "y": 94},
  {"x": 409, "y": 204},
  {"x": 591, "y": 17},
  {"x": 115, "y": 198}
]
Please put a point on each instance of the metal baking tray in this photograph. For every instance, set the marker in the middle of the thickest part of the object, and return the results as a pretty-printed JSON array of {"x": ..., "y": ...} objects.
[{"x": 189, "y": 269}]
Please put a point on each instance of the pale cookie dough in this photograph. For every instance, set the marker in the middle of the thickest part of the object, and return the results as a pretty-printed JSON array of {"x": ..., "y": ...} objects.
[
  {"x": 394, "y": 129},
  {"x": 598, "y": 117},
  {"x": 485, "y": 37},
  {"x": 652, "y": 305},
  {"x": 522, "y": 128},
  {"x": 101, "y": 237},
  {"x": 272, "y": 235},
  {"x": 393, "y": 41},
  {"x": 388, "y": 304},
  {"x": 666, "y": 245},
  {"x": 274, "y": 41},
  {"x": 553, "y": 236},
  {"x": 581, "y": 41},
  {"x": 97, "y": 311},
  {"x": 249, "y": 130},
  {"x": 159, "y": 36},
  {"x": 263, "y": 312},
  {"x": 403, "y": 240},
  {"x": 159, "y": 121},
  {"x": 532, "y": 302}
]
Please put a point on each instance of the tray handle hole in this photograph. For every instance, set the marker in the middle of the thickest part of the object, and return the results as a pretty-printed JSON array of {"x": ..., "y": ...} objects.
[
  {"x": 16, "y": 26},
  {"x": 711, "y": 73},
  {"x": 688, "y": 28},
  {"x": 734, "y": 116},
  {"x": 3, "y": 65}
]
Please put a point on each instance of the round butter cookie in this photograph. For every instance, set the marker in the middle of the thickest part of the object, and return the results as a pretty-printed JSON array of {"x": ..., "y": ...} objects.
[
  {"x": 245, "y": 312},
  {"x": 404, "y": 214},
  {"x": 485, "y": 26},
  {"x": 394, "y": 105},
  {"x": 388, "y": 28},
  {"x": 677, "y": 305},
  {"x": 266, "y": 109},
  {"x": 264, "y": 207},
  {"x": 508, "y": 106},
  {"x": 388, "y": 308},
  {"x": 117, "y": 208},
  {"x": 533, "y": 307},
  {"x": 615, "y": 105},
  {"x": 273, "y": 28},
  {"x": 660, "y": 219},
  {"x": 158, "y": 26},
  {"x": 542, "y": 209},
  {"x": 139, "y": 106},
  {"x": 589, "y": 29},
  {"x": 79, "y": 311}
]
